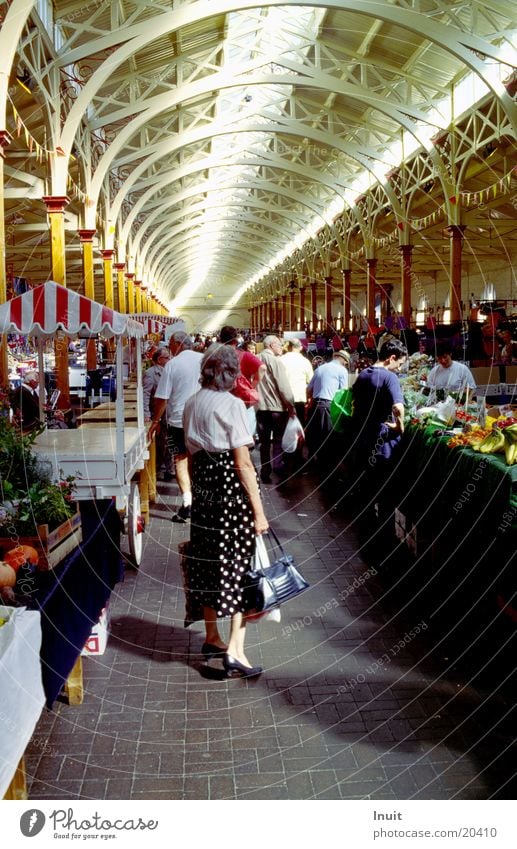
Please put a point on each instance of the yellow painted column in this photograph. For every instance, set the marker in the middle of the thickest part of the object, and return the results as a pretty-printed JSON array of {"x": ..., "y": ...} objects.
[
  {"x": 56, "y": 213},
  {"x": 86, "y": 237},
  {"x": 107, "y": 259},
  {"x": 5, "y": 140},
  {"x": 121, "y": 286},
  {"x": 138, "y": 296},
  {"x": 130, "y": 293}
]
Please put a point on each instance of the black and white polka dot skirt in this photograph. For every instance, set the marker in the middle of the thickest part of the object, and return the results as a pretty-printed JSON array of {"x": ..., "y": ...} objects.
[{"x": 222, "y": 540}]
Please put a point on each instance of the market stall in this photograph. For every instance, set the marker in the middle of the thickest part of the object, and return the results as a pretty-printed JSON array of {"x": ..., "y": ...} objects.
[
  {"x": 454, "y": 490},
  {"x": 103, "y": 462}
]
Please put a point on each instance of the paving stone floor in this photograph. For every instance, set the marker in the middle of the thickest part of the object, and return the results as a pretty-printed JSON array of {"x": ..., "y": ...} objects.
[{"x": 361, "y": 697}]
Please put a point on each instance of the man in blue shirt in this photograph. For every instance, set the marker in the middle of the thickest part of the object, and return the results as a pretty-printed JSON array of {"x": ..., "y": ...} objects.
[
  {"x": 376, "y": 429},
  {"x": 326, "y": 381}
]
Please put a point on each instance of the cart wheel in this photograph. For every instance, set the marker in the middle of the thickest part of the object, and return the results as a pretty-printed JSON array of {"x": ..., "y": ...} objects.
[{"x": 135, "y": 525}]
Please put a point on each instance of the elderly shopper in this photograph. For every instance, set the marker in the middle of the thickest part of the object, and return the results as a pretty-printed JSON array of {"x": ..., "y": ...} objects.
[
  {"x": 276, "y": 405},
  {"x": 227, "y": 511},
  {"x": 180, "y": 379},
  {"x": 150, "y": 381},
  {"x": 325, "y": 382}
]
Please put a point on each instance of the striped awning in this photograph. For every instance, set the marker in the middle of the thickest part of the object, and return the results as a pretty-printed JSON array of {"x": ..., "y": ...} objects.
[
  {"x": 151, "y": 323},
  {"x": 44, "y": 310},
  {"x": 162, "y": 320}
]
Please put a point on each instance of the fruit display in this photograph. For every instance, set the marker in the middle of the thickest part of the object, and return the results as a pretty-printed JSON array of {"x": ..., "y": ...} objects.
[
  {"x": 492, "y": 444},
  {"x": 510, "y": 443},
  {"x": 7, "y": 575},
  {"x": 469, "y": 438}
]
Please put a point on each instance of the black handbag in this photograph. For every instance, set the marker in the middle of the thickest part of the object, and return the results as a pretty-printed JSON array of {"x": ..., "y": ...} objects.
[{"x": 278, "y": 583}]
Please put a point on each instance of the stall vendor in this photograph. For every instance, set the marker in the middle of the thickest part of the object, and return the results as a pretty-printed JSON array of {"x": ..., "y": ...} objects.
[
  {"x": 25, "y": 401},
  {"x": 450, "y": 375}
]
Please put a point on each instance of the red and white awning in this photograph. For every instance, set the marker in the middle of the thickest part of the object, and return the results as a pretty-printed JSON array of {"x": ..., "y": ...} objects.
[
  {"x": 151, "y": 323},
  {"x": 161, "y": 319},
  {"x": 44, "y": 310}
]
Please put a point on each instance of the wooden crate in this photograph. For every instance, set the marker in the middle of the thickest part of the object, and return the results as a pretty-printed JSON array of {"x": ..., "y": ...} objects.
[{"x": 52, "y": 546}]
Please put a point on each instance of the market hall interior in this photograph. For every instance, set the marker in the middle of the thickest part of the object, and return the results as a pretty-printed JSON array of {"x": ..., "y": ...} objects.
[{"x": 315, "y": 171}]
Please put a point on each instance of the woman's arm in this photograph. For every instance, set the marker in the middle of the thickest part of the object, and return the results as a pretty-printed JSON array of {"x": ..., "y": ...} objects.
[{"x": 248, "y": 477}]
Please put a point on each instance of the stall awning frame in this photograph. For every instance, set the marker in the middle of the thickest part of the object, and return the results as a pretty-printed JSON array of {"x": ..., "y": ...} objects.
[{"x": 50, "y": 308}]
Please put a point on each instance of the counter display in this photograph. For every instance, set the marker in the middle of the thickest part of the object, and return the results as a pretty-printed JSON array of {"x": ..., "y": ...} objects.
[{"x": 71, "y": 597}]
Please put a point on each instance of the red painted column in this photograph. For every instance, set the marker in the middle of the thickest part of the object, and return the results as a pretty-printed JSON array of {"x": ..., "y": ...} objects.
[
  {"x": 406, "y": 252},
  {"x": 283, "y": 312},
  {"x": 301, "y": 306},
  {"x": 371, "y": 282},
  {"x": 347, "y": 298},
  {"x": 270, "y": 314},
  {"x": 455, "y": 232},
  {"x": 292, "y": 311},
  {"x": 314, "y": 306},
  {"x": 329, "y": 323}
]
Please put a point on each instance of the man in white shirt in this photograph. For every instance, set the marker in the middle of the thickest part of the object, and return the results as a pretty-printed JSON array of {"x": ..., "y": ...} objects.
[
  {"x": 179, "y": 381},
  {"x": 299, "y": 374},
  {"x": 450, "y": 375}
]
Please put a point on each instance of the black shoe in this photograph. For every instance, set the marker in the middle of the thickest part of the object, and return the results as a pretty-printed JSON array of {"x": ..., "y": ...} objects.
[
  {"x": 182, "y": 516},
  {"x": 234, "y": 669},
  {"x": 208, "y": 650}
]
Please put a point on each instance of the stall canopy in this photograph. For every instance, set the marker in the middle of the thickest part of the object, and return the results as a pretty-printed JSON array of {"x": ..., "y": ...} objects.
[
  {"x": 151, "y": 323},
  {"x": 48, "y": 308},
  {"x": 160, "y": 319}
]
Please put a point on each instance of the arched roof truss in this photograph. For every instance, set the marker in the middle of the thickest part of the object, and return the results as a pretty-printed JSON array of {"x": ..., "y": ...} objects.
[{"x": 218, "y": 142}]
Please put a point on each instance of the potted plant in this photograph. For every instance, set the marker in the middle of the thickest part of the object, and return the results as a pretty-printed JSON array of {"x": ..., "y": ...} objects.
[{"x": 34, "y": 510}]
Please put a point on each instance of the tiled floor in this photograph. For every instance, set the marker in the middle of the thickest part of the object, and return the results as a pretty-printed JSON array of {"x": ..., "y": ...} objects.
[{"x": 360, "y": 698}]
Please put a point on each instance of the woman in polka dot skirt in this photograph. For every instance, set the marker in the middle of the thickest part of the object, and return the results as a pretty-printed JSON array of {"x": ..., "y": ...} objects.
[{"x": 227, "y": 511}]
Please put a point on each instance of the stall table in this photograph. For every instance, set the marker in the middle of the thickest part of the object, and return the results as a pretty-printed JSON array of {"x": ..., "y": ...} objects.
[
  {"x": 457, "y": 514},
  {"x": 71, "y": 596},
  {"x": 105, "y": 413},
  {"x": 21, "y": 695}
]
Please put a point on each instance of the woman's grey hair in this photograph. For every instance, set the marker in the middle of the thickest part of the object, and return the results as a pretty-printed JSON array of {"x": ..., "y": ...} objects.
[
  {"x": 295, "y": 345},
  {"x": 162, "y": 351},
  {"x": 219, "y": 368},
  {"x": 182, "y": 338}
]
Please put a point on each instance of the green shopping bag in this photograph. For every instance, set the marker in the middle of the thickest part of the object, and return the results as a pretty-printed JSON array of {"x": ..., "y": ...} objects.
[{"x": 341, "y": 408}]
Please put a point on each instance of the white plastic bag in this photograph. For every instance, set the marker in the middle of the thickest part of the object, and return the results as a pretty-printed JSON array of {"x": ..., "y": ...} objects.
[
  {"x": 292, "y": 433},
  {"x": 262, "y": 563}
]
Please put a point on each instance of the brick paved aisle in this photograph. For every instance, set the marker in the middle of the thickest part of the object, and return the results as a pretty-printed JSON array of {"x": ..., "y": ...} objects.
[{"x": 359, "y": 698}]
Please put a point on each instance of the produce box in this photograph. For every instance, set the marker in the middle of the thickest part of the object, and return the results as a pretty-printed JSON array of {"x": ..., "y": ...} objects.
[
  {"x": 52, "y": 546},
  {"x": 98, "y": 639}
]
